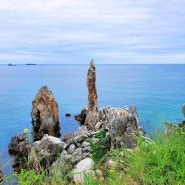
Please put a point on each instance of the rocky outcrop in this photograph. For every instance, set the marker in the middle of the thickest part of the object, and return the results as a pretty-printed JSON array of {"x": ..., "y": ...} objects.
[
  {"x": 122, "y": 124},
  {"x": 45, "y": 114},
  {"x": 1, "y": 175},
  {"x": 82, "y": 116},
  {"x": 183, "y": 109},
  {"x": 45, "y": 152},
  {"x": 20, "y": 147},
  {"x": 92, "y": 109},
  {"x": 116, "y": 127}
]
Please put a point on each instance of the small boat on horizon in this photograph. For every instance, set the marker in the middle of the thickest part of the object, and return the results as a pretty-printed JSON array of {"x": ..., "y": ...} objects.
[
  {"x": 30, "y": 64},
  {"x": 10, "y": 64}
]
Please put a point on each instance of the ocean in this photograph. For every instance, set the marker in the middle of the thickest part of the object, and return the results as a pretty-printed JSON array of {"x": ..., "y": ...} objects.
[{"x": 157, "y": 91}]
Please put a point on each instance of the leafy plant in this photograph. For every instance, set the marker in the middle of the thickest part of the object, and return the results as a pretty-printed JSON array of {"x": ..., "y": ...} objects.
[{"x": 100, "y": 148}]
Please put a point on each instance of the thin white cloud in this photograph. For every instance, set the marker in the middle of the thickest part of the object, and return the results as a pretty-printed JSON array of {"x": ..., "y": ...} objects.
[{"x": 112, "y": 29}]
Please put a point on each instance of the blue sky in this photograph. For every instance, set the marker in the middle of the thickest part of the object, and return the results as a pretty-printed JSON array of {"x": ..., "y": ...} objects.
[{"x": 109, "y": 31}]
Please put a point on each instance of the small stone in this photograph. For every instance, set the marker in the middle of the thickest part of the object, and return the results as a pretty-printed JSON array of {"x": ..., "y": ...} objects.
[
  {"x": 68, "y": 114},
  {"x": 98, "y": 125},
  {"x": 77, "y": 155},
  {"x": 141, "y": 130},
  {"x": 71, "y": 148},
  {"x": 94, "y": 140},
  {"x": 85, "y": 144},
  {"x": 86, "y": 149},
  {"x": 80, "y": 138}
]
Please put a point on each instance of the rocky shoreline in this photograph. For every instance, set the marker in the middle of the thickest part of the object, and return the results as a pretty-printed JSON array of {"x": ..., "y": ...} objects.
[{"x": 119, "y": 126}]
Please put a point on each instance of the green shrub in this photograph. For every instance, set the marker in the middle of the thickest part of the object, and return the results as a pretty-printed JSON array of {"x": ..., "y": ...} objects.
[{"x": 100, "y": 148}]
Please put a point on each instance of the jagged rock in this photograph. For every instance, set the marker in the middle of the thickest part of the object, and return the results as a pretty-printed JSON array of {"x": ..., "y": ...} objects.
[
  {"x": 1, "y": 175},
  {"x": 82, "y": 116},
  {"x": 92, "y": 109},
  {"x": 68, "y": 136},
  {"x": 85, "y": 144},
  {"x": 77, "y": 155},
  {"x": 169, "y": 127},
  {"x": 182, "y": 125},
  {"x": 141, "y": 130},
  {"x": 183, "y": 109},
  {"x": 122, "y": 124},
  {"x": 82, "y": 168},
  {"x": 81, "y": 137},
  {"x": 19, "y": 147},
  {"x": 45, "y": 114},
  {"x": 71, "y": 148},
  {"x": 98, "y": 125},
  {"x": 47, "y": 150},
  {"x": 63, "y": 164}
]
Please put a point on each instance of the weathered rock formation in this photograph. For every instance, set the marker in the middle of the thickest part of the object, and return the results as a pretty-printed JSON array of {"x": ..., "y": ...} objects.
[
  {"x": 122, "y": 124},
  {"x": 1, "y": 175},
  {"x": 183, "y": 109},
  {"x": 45, "y": 115},
  {"x": 45, "y": 152},
  {"x": 20, "y": 147},
  {"x": 81, "y": 117},
  {"x": 121, "y": 121},
  {"x": 92, "y": 109}
]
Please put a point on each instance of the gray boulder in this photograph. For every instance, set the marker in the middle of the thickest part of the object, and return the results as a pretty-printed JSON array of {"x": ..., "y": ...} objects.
[
  {"x": 82, "y": 168},
  {"x": 47, "y": 150}
]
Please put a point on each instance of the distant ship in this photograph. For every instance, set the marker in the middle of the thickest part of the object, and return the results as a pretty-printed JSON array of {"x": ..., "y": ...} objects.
[
  {"x": 10, "y": 64},
  {"x": 30, "y": 64}
]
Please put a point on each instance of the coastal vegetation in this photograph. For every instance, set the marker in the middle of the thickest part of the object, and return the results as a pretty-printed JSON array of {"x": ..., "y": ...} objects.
[{"x": 159, "y": 160}]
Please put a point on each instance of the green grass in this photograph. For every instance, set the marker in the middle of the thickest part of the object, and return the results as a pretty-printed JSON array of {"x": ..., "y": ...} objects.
[{"x": 160, "y": 161}]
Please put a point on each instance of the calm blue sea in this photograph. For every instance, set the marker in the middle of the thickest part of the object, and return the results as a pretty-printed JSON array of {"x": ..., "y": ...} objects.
[{"x": 158, "y": 92}]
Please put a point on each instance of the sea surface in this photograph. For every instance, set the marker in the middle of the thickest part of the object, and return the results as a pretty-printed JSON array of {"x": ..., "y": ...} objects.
[{"x": 157, "y": 91}]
